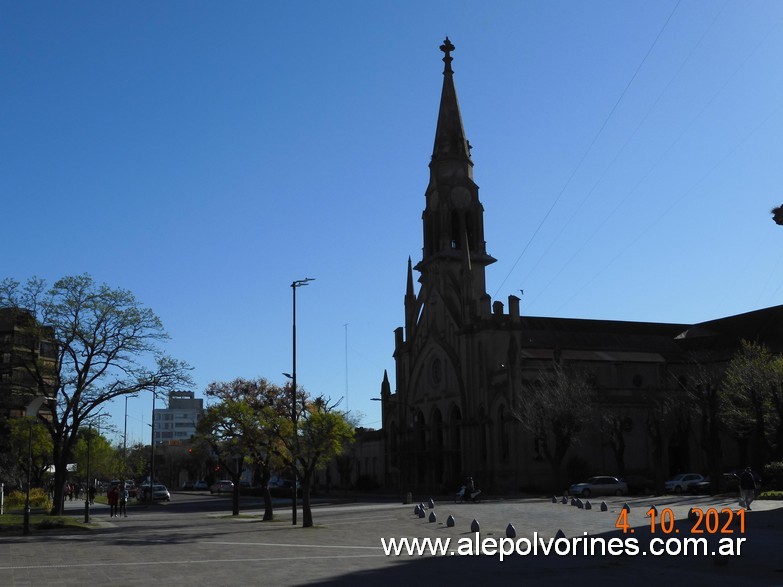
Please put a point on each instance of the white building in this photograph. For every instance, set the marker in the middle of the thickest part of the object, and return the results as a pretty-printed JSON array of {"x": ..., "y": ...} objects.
[{"x": 176, "y": 423}]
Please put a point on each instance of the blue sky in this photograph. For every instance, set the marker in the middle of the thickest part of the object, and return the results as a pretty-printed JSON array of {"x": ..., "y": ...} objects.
[{"x": 205, "y": 155}]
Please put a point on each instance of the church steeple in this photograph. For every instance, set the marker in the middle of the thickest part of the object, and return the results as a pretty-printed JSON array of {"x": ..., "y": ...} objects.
[
  {"x": 450, "y": 141},
  {"x": 453, "y": 216}
]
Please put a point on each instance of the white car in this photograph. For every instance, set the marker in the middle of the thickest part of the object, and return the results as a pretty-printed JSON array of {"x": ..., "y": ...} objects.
[
  {"x": 224, "y": 486},
  {"x": 159, "y": 493},
  {"x": 603, "y": 485},
  {"x": 683, "y": 482}
]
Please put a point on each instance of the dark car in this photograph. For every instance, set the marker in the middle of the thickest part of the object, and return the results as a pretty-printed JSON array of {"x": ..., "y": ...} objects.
[{"x": 282, "y": 488}]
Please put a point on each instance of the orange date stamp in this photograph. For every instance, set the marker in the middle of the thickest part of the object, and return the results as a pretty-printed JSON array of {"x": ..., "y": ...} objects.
[{"x": 709, "y": 521}]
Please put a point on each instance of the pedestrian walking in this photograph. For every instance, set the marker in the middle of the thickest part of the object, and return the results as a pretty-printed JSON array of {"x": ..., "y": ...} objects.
[
  {"x": 113, "y": 498},
  {"x": 747, "y": 482},
  {"x": 123, "y": 501}
]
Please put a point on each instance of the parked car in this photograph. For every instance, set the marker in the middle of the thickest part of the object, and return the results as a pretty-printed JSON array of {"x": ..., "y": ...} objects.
[
  {"x": 159, "y": 493},
  {"x": 282, "y": 488},
  {"x": 224, "y": 486},
  {"x": 200, "y": 485},
  {"x": 600, "y": 485},
  {"x": 683, "y": 482}
]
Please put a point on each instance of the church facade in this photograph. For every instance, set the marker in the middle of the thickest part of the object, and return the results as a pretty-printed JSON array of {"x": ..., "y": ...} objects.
[{"x": 465, "y": 364}]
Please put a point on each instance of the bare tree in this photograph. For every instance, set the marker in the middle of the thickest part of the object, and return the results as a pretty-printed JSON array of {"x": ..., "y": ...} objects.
[
  {"x": 556, "y": 410},
  {"x": 90, "y": 344},
  {"x": 703, "y": 390},
  {"x": 616, "y": 423}
]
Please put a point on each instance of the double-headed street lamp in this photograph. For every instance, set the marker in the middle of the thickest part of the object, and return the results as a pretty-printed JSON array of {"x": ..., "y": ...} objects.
[{"x": 296, "y": 284}]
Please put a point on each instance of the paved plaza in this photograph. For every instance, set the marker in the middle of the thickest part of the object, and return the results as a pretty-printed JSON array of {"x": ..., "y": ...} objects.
[{"x": 170, "y": 546}]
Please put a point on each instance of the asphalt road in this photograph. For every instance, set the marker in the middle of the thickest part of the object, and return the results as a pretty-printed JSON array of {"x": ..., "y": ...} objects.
[{"x": 195, "y": 541}]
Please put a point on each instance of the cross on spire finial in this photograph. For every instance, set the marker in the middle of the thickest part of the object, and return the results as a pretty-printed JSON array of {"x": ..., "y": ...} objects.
[{"x": 447, "y": 48}]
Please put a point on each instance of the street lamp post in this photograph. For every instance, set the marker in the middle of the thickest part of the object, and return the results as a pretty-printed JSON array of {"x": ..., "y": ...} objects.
[
  {"x": 296, "y": 284},
  {"x": 152, "y": 447},
  {"x": 31, "y": 412},
  {"x": 87, "y": 489}
]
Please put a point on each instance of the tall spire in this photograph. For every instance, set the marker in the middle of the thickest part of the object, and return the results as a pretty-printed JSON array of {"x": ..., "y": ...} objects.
[
  {"x": 454, "y": 253},
  {"x": 450, "y": 141}
]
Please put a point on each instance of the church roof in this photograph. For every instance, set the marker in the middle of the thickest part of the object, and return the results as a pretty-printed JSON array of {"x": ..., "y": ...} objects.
[{"x": 635, "y": 339}]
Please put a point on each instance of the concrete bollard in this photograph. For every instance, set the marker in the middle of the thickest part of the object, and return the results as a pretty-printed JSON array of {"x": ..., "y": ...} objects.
[
  {"x": 416, "y": 510},
  {"x": 421, "y": 513},
  {"x": 588, "y": 506},
  {"x": 433, "y": 517},
  {"x": 604, "y": 507},
  {"x": 450, "y": 521},
  {"x": 560, "y": 534},
  {"x": 554, "y": 499},
  {"x": 474, "y": 526},
  {"x": 626, "y": 507},
  {"x": 564, "y": 500},
  {"x": 511, "y": 532},
  {"x": 431, "y": 504}
]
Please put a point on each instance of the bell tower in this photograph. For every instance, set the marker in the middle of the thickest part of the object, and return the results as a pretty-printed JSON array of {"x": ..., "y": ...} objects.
[{"x": 454, "y": 252}]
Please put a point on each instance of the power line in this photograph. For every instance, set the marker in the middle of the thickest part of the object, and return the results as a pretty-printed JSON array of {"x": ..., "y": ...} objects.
[
  {"x": 589, "y": 148},
  {"x": 614, "y": 160}
]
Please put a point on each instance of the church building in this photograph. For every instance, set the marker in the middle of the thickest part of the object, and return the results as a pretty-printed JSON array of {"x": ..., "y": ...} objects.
[{"x": 465, "y": 364}]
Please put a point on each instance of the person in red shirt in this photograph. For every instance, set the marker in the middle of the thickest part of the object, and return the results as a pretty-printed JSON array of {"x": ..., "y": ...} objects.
[{"x": 113, "y": 498}]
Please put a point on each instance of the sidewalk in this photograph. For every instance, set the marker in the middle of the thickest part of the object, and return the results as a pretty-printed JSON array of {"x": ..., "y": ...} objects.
[{"x": 344, "y": 547}]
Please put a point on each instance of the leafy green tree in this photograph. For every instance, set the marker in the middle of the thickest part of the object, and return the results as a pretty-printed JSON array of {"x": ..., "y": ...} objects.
[
  {"x": 226, "y": 428},
  {"x": 105, "y": 460},
  {"x": 322, "y": 433},
  {"x": 752, "y": 400},
  {"x": 136, "y": 461},
  {"x": 258, "y": 404},
  {"x": 19, "y": 447},
  {"x": 105, "y": 345}
]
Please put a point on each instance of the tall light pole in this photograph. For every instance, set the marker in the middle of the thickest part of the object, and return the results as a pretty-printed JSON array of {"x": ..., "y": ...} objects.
[
  {"x": 296, "y": 284},
  {"x": 152, "y": 447},
  {"x": 89, "y": 474},
  {"x": 31, "y": 412}
]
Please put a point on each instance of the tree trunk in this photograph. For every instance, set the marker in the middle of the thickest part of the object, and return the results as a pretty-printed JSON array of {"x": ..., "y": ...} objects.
[
  {"x": 235, "y": 496},
  {"x": 60, "y": 454},
  {"x": 268, "y": 511},
  {"x": 307, "y": 513}
]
